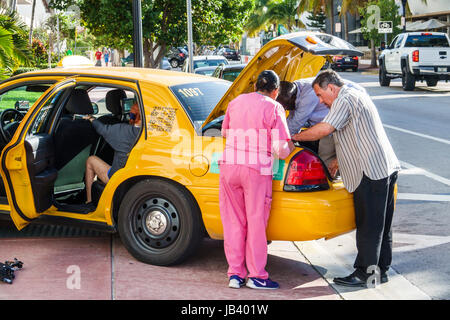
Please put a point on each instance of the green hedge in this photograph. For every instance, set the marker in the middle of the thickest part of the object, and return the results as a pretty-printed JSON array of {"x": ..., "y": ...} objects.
[{"x": 28, "y": 69}]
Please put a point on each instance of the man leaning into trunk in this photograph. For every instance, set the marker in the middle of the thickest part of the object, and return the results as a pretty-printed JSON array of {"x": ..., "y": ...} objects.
[{"x": 368, "y": 167}]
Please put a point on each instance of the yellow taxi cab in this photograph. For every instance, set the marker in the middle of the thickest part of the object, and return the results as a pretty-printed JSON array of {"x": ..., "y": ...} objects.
[{"x": 166, "y": 198}]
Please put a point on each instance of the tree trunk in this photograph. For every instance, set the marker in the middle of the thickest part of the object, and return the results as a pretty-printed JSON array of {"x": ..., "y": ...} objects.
[
  {"x": 345, "y": 27},
  {"x": 373, "y": 58},
  {"x": 30, "y": 37}
]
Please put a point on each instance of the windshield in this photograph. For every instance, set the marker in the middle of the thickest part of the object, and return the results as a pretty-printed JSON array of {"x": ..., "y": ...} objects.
[
  {"x": 209, "y": 63},
  {"x": 427, "y": 40},
  {"x": 199, "y": 99}
]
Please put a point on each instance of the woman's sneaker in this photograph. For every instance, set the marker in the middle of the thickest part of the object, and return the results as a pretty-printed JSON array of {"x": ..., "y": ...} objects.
[
  {"x": 267, "y": 284},
  {"x": 236, "y": 282}
]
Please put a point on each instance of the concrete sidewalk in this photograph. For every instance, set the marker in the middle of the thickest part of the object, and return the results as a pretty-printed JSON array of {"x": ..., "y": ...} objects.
[{"x": 100, "y": 268}]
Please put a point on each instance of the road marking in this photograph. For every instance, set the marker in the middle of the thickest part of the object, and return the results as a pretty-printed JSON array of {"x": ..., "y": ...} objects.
[
  {"x": 405, "y": 96},
  {"x": 425, "y": 173},
  {"x": 423, "y": 197},
  {"x": 418, "y": 134}
]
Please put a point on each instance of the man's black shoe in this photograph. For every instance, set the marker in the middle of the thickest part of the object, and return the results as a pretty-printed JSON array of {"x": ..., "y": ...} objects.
[
  {"x": 350, "y": 281},
  {"x": 384, "y": 278}
]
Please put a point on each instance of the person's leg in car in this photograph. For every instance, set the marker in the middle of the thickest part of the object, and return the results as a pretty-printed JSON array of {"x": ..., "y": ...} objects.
[{"x": 95, "y": 167}]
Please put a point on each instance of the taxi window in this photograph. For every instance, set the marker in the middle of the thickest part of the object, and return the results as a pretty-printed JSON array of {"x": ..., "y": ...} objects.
[
  {"x": 23, "y": 97},
  {"x": 199, "y": 99}
]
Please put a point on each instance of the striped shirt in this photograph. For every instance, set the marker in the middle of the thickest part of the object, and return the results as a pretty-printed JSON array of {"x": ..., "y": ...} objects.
[{"x": 362, "y": 146}]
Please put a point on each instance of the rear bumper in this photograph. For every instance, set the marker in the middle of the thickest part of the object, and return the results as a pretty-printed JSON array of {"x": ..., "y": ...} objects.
[
  {"x": 441, "y": 72},
  {"x": 294, "y": 216},
  {"x": 344, "y": 64}
]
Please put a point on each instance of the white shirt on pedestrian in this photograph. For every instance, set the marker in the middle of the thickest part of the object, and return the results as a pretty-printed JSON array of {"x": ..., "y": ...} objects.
[{"x": 362, "y": 146}]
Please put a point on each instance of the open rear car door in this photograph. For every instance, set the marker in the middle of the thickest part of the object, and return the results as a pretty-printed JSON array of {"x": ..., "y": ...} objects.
[{"x": 27, "y": 161}]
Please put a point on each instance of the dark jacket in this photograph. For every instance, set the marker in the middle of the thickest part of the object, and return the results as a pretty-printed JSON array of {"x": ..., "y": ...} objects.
[{"x": 121, "y": 137}]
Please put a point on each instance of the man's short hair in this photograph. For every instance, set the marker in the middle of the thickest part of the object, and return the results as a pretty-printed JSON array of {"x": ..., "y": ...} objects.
[{"x": 327, "y": 77}]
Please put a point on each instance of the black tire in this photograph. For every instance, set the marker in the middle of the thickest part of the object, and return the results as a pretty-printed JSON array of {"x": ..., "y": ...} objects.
[
  {"x": 432, "y": 82},
  {"x": 174, "y": 63},
  {"x": 382, "y": 77},
  {"x": 159, "y": 222},
  {"x": 408, "y": 80},
  {"x": 355, "y": 69}
]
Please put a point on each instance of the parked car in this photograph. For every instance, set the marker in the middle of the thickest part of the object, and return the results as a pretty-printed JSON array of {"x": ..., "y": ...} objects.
[
  {"x": 177, "y": 56},
  {"x": 204, "y": 61},
  {"x": 207, "y": 71},
  {"x": 166, "y": 197},
  {"x": 228, "y": 71},
  {"x": 229, "y": 53},
  {"x": 415, "y": 56},
  {"x": 165, "y": 64},
  {"x": 345, "y": 62}
]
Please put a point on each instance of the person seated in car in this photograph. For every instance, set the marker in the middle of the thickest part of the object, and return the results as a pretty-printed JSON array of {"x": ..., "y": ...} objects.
[{"x": 121, "y": 137}]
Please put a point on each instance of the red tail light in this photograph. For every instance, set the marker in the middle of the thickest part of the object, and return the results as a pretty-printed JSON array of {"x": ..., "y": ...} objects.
[
  {"x": 415, "y": 56},
  {"x": 355, "y": 58},
  {"x": 181, "y": 54},
  {"x": 336, "y": 58},
  {"x": 426, "y": 34},
  {"x": 306, "y": 173}
]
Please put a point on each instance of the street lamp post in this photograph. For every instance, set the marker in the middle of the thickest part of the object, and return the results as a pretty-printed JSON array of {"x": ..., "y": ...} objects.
[
  {"x": 189, "y": 26},
  {"x": 137, "y": 34}
]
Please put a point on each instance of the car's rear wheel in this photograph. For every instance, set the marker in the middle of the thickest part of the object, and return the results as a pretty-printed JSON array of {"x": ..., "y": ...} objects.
[
  {"x": 382, "y": 76},
  {"x": 159, "y": 222},
  {"x": 174, "y": 63},
  {"x": 408, "y": 80}
]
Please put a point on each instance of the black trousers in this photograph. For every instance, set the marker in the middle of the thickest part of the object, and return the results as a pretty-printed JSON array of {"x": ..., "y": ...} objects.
[{"x": 374, "y": 210}]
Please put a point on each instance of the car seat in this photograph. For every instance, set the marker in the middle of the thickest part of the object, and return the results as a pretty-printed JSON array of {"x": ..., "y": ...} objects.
[{"x": 74, "y": 140}]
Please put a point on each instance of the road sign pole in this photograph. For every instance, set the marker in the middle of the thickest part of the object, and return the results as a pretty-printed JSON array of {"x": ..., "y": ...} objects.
[{"x": 138, "y": 53}]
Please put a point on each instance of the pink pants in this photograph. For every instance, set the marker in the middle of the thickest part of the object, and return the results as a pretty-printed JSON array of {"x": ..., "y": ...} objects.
[{"x": 245, "y": 198}]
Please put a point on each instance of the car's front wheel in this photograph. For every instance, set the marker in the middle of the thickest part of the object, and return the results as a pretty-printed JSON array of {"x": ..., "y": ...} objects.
[
  {"x": 174, "y": 63},
  {"x": 159, "y": 222}
]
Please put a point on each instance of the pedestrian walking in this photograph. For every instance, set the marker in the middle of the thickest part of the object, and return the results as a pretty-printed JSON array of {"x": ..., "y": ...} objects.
[
  {"x": 98, "y": 58},
  {"x": 106, "y": 56},
  {"x": 368, "y": 167},
  {"x": 253, "y": 124}
]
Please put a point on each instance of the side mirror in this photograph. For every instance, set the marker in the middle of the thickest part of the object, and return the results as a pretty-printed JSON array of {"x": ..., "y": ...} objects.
[{"x": 95, "y": 107}]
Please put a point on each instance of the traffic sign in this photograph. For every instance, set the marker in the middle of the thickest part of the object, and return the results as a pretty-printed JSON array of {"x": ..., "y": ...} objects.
[{"x": 385, "y": 27}]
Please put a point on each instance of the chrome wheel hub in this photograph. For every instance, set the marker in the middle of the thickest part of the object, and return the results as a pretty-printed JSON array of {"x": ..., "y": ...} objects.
[{"x": 156, "y": 223}]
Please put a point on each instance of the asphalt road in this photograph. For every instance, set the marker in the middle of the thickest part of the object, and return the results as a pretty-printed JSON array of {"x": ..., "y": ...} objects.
[{"x": 417, "y": 124}]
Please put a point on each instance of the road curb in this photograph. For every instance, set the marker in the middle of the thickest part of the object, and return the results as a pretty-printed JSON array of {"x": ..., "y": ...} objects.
[{"x": 334, "y": 258}]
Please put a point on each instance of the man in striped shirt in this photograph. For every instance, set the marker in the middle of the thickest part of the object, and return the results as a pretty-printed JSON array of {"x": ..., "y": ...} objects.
[{"x": 368, "y": 167}]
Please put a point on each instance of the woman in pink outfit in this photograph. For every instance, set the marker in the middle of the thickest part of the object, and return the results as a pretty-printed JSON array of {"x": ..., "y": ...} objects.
[{"x": 254, "y": 126}]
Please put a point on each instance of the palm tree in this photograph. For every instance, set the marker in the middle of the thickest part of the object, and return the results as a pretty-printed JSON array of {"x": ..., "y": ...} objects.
[
  {"x": 273, "y": 12},
  {"x": 283, "y": 12},
  {"x": 14, "y": 49},
  {"x": 30, "y": 38},
  {"x": 350, "y": 7},
  {"x": 316, "y": 6}
]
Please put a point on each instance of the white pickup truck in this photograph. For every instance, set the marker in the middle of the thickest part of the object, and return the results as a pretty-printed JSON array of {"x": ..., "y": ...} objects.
[{"x": 416, "y": 56}]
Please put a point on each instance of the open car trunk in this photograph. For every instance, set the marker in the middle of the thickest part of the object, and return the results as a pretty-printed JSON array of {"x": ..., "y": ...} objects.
[{"x": 293, "y": 56}]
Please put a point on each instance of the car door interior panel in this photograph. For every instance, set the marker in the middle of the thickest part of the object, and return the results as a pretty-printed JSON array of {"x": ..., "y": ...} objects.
[{"x": 40, "y": 155}]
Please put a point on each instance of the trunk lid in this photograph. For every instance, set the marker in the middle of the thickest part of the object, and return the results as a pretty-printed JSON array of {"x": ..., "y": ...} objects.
[{"x": 292, "y": 56}]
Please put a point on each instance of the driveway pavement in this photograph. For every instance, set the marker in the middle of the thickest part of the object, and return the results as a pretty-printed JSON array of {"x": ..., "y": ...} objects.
[{"x": 99, "y": 267}]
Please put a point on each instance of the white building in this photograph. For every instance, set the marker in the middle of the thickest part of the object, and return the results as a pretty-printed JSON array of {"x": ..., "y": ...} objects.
[{"x": 24, "y": 8}]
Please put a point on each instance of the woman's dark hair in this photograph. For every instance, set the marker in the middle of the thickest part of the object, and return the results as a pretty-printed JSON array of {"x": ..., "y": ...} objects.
[{"x": 267, "y": 81}]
